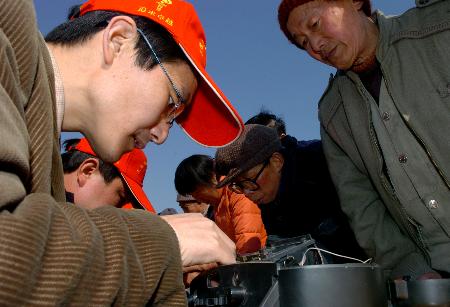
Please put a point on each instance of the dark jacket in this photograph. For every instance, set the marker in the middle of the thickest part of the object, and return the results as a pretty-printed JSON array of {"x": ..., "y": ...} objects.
[{"x": 307, "y": 201}]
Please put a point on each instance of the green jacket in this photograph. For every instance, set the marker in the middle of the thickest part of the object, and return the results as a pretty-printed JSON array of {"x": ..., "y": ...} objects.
[{"x": 414, "y": 53}]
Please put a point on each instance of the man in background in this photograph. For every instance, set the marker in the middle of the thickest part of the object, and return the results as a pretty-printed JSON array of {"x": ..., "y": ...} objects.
[
  {"x": 269, "y": 119},
  {"x": 190, "y": 205},
  {"x": 168, "y": 211},
  {"x": 92, "y": 183},
  {"x": 291, "y": 186}
]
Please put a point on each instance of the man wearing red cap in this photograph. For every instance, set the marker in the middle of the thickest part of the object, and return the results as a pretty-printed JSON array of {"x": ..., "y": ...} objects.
[
  {"x": 120, "y": 72},
  {"x": 384, "y": 124},
  {"x": 92, "y": 183}
]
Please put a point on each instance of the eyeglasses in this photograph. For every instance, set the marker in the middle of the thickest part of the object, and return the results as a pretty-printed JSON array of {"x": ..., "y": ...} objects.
[
  {"x": 248, "y": 184},
  {"x": 176, "y": 108}
]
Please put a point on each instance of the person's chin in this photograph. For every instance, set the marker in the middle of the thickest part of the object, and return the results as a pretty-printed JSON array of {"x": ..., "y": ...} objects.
[
  {"x": 113, "y": 154},
  {"x": 260, "y": 201},
  {"x": 267, "y": 199},
  {"x": 111, "y": 157},
  {"x": 340, "y": 63},
  {"x": 107, "y": 154}
]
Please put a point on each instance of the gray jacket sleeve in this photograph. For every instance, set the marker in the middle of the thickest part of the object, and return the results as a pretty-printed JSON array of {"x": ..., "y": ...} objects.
[{"x": 375, "y": 230}]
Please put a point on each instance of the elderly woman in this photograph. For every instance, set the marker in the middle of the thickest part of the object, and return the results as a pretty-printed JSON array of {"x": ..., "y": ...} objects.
[{"x": 385, "y": 118}]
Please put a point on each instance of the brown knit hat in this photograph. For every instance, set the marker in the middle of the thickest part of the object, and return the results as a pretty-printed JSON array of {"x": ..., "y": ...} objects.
[
  {"x": 286, "y": 6},
  {"x": 256, "y": 144}
]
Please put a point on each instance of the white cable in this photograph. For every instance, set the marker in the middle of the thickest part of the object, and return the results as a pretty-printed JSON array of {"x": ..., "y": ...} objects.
[{"x": 328, "y": 252}]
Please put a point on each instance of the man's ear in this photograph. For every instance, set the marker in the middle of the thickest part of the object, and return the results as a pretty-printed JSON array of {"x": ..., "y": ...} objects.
[
  {"x": 214, "y": 180},
  {"x": 86, "y": 169},
  {"x": 277, "y": 161},
  {"x": 358, "y": 4},
  {"x": 121, "y": 30}
]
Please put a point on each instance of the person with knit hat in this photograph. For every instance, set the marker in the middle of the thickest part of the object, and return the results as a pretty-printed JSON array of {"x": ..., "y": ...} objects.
[
  {"x": 291, "y": 186},
  {"x": 384, "y": 124},
  {"x": 121, "y": 72},
  {"x": 92, "y": 183}
]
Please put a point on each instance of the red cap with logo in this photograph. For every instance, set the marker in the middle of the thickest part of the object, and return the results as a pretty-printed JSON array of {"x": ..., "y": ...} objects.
[
  {"x": 132, "y": 167},
  {"x": 210, "y": 119}
]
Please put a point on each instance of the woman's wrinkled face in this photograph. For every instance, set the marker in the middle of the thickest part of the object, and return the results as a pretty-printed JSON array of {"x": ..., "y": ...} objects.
[{"x": 331, "y": 32}]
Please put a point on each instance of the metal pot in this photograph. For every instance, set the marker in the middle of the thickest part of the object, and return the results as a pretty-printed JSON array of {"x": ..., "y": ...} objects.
[
  {"x": 421, "y": 293},
  {"x": 333, "y": 285}
]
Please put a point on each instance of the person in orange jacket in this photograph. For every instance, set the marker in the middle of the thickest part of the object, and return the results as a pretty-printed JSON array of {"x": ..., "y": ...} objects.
[
  {"x": 235, "y": 214},
  {"x": 91, "y": 182},
  {"x": 190, "y": 205}
]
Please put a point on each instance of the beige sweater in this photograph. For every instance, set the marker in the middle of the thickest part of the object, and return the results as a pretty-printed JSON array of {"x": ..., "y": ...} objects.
[{"x": 51, "y": 252}]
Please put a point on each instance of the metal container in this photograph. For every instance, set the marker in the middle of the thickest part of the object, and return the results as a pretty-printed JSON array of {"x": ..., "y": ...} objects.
[
  {"x": 333, "y": 285},
  {"x": 421, "y": 293}
]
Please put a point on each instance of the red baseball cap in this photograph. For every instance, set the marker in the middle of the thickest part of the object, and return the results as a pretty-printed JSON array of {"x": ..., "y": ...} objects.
[
  {"x": 132, "y": 167},
  {"x": 210, "y": 119}
]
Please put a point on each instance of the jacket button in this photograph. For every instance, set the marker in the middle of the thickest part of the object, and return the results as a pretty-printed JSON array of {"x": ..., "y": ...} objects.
[
  {"x": 402, "y": 158},
  {"x": 386, "y": 116},
  {"x": 433, "y": 204}
]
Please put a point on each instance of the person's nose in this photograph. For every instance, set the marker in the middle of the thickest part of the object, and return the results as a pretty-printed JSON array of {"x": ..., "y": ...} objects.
[
  {"x": 317, "y": 44},
  {"x": 160, "y": 132}
]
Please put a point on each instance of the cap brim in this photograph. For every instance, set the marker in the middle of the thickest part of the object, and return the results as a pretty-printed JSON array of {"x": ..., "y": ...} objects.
[
  {"x": 138, "y": 193},
  {"x": 226, "y": 180},
  {"x": 128, "y": 206},
  {"x": 210, "y": 119}
]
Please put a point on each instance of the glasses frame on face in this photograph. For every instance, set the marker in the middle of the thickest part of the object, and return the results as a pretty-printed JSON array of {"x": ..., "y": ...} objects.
[
  {"x": 178, "y": 106},
  {"x": 252, "y": 185}
]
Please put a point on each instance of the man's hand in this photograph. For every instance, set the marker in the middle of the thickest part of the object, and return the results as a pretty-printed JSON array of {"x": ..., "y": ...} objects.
[
  {"x": 190, "y": 272},
  {"x": 201, "y": 241},
  {"x": 430, "y": 275}
]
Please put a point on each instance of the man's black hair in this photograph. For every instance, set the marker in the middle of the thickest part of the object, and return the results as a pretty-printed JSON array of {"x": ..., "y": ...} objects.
[
  {"x": 73, "y": 158},
  {"x": 193, "y": 172},
  {"x": 80, "y": 29},
  {"x": 265, "y": 118}
]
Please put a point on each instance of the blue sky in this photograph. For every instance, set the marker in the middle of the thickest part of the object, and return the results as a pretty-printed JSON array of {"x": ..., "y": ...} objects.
[{"x": 252, "y": 62}]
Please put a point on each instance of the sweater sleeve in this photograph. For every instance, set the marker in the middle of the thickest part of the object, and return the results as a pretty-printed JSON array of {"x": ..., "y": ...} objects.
[
  {"x": 56, "y": 253},
  {"x": 374, "y": 228}
]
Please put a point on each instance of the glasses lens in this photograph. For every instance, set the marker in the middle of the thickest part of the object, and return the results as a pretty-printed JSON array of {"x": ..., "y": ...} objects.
[
  {"x": 235, "y": 188},
  {"x": 249, "y": 185},
  {"x": 175, "y": 109},
  {"x": 246, "y": 185}
]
